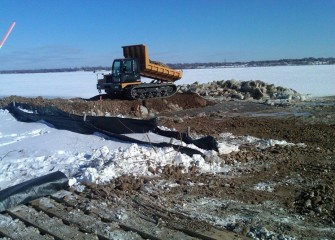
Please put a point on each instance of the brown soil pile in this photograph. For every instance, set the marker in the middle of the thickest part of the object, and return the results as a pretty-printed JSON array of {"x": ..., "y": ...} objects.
[{"x": 114, "y": 106}]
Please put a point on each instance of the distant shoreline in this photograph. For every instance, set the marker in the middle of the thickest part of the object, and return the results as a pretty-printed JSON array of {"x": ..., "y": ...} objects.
[{"x": 210, "y": 65}]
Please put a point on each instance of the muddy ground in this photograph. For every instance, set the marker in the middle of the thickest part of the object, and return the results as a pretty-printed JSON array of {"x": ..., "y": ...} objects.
[{"x": 280, "y": 192}]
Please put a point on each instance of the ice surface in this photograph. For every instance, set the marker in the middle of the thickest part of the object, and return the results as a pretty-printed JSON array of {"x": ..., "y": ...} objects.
[{"x": 317, "y": 80}]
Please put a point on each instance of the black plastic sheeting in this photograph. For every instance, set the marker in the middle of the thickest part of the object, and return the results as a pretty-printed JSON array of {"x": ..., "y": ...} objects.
[
  {"x": 80, "y": 124},
  {"x": 32, "y": 189},
  {"x": 207, "y": 143},
  {"x": 112, "y": 127}
]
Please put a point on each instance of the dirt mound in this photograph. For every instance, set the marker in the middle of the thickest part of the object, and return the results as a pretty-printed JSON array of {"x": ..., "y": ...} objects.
[{"x": 106, "y": 106}]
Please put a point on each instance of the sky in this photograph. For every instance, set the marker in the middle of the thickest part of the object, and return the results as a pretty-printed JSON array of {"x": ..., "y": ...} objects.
[{"x": 77, "y": 33}]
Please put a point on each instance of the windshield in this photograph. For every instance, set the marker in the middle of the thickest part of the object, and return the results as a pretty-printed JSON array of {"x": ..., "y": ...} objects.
[{"x": 116, "y": 68}]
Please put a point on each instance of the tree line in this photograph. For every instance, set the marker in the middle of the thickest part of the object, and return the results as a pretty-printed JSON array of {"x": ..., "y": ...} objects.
[{"x": 264, "y": 63}]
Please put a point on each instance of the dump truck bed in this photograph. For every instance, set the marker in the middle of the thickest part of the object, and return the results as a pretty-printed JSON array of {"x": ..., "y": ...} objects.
[{"x": 149, "y": 69}]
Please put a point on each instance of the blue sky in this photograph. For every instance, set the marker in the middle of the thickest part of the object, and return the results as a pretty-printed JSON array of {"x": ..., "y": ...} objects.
[{"x": 76, "y": 33}]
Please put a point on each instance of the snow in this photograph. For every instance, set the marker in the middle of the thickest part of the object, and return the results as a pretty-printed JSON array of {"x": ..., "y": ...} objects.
[
  {"x": 63, "y": 84},
  {"x": 261, "y": 186},
  {"x": 229, "y": 141},
  {"x": 29, "y": 150},
  {"x": 316, "y": 80}
]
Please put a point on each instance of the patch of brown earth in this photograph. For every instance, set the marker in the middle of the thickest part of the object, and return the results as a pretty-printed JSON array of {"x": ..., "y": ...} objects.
[{"x": 114, "y": 106}]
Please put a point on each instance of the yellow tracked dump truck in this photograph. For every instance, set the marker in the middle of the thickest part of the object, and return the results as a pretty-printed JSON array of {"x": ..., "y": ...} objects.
[{"x": 125, "y": 79}]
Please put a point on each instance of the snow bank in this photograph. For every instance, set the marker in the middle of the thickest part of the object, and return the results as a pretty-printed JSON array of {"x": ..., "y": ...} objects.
[{"x": 106, "y": 164}]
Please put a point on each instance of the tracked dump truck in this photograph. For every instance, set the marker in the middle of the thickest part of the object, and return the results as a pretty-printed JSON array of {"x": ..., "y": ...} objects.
[{"x": 125, "y": 79}]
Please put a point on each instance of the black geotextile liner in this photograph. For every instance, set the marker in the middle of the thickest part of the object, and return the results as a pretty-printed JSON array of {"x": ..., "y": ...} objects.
[
  {"x": 112, "y": 127},
  {"x": 63, "y": 120},
  {"x": 27, "y": 191},
  {"x": 207, "y": 143}
]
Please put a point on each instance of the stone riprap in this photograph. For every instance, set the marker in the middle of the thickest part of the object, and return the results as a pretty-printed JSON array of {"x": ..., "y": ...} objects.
[{"x": 242, "y": 90}]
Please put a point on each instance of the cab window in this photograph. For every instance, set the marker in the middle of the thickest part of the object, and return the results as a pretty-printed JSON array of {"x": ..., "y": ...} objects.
[{"x": 116, "y": 68}]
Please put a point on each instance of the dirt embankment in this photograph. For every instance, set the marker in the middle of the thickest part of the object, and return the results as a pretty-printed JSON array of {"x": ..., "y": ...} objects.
[{"x": 105, "y": 106}]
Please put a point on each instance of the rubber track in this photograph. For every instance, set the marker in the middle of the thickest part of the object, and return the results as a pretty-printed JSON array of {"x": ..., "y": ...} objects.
[{"x": 145, "y": 87}]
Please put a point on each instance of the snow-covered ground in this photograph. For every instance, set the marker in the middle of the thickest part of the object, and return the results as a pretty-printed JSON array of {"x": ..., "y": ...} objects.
[
  {"x": 29, "y": 150},
  {"x": 317, "y": 80}
]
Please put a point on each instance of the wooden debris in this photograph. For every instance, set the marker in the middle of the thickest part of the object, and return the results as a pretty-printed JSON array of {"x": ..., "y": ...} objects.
[
  {"x": 84, "y": 222},
  {"x": 127, "y": 220},
  {"x": 67, "y": 215},
  {"x": 15, "y": 229},
  {"x": 45, "y": 224}
]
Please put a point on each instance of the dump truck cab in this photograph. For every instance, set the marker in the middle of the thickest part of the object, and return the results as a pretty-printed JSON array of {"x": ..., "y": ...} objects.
[{"x": 125, "y": 72}]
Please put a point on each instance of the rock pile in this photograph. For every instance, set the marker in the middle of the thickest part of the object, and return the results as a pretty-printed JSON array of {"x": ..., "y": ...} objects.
[
  {"x": 242, "y": 90},
  {"x": 318, "y": 201}
]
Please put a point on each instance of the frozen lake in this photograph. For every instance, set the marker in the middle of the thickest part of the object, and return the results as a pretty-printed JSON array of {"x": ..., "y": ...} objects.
[{"x": 317, "y": 80}]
